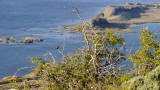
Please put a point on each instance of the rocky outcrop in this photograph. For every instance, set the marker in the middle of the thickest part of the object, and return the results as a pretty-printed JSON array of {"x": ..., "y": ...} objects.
[
  {"x": 25, "y": 39},
  {"x": 8, "y": 40},
  {"x": 151, "y": 81},
  {"x": 119, "y": 18},
  {"x": 32, "y": 39},
  {"x": 128, "y": 11},
  {"x": 98, "y": 22}
]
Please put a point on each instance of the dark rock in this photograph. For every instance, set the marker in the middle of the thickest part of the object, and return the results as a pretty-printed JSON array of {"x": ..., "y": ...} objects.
[
  {"x": 132, "y": 3},
  {"x": 98, "y": 21},
  {"x": 31, "y": 39},
  {"x": 28, "y": 41}
]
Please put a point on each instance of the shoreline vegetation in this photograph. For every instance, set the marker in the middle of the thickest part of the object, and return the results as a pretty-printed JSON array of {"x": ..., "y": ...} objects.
[
  {"x": 86, "y": 69},
  {"x": 119, "y": 18}
]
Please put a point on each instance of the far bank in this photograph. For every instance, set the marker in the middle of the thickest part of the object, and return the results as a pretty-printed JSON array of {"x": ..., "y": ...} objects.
[{"x": 120, "y": 18}]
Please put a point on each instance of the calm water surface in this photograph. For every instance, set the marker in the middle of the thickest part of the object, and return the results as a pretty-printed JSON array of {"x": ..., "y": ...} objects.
[{"x": 21, "y": 18}]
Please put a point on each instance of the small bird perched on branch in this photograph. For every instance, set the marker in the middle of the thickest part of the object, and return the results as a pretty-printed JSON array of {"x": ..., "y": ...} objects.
[{"x": 57, "y": 47}]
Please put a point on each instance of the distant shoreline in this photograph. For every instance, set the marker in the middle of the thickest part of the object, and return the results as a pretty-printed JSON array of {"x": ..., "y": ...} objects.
[{"x": 119, "y": 18}]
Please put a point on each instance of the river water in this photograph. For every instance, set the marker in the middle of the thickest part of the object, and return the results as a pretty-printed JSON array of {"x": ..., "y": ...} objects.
[{"x": 24, "y": 18}]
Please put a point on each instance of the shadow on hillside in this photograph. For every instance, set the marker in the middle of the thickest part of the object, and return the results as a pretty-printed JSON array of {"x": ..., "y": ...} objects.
[
  {"x": 117, "y": 25},
  {"x": 130, "y": 14}
]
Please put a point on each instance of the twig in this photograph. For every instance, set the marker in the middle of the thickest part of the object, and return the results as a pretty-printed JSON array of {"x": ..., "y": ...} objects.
[
  {"x": 83, "y": 24},
  {"x": 77, "y": 13},
  {"x": 23, "y": 69},
  {"x": 63, "y": 45},
  {"x": 50, "y": 55}
]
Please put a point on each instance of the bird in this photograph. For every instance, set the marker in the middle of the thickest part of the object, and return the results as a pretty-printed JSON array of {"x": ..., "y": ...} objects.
[{"x": 57, "y": 47}]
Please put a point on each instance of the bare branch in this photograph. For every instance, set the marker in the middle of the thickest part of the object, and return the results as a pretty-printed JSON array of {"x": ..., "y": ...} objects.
[
  {"x": 83, "y": 24},
  {"x": 23, "y": 69},
  {"x": 63, "y": 45},
  {"x": 77, "y": 13},
  {"x": 49, "y": 53}
]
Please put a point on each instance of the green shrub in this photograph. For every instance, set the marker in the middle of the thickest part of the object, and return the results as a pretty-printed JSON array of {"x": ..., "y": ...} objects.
[
  {"x": 79, "y": 27},
  {"x": 150, "y": 81},
  {"x": 98, "y": 66},
  {"x": 7, "y": 38},
  {"x": 147, "y": 57},
  {"x": 95, "y": 68}
]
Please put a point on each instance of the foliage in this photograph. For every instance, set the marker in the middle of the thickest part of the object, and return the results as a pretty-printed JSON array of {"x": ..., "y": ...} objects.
[
  {"x": 7, "y": 38},
  {"x": 98, "y": 66},
  {"x": 95, "y": 68},
  {"x": 150, "y": 81},
  {"x": 147, "y": 57},
  {"x": 79, "y": 27}
]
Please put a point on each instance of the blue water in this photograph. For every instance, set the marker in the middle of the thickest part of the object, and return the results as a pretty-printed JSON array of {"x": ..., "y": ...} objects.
[
  {"x": 21, "y": 18},
  {"x": 132, "y": 39}
]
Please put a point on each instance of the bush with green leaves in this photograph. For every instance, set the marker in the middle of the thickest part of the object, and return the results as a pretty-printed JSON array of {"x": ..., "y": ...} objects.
[
  {"x": 7, "y": 38},
  {"x": 96, "y": 68},
  {"x": 98, "y": 64},
  {"x": 147, "y": 57},
  {"x": 150, "y": 81}
]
